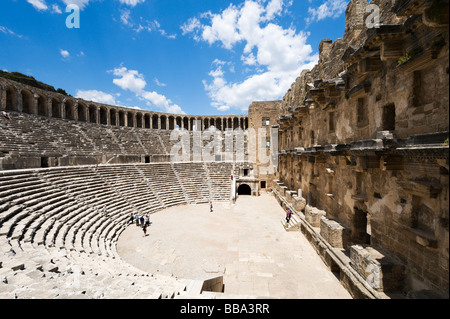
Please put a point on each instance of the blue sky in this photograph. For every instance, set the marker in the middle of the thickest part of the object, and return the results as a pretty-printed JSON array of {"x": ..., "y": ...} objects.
[{"x": 180, "y": 56}]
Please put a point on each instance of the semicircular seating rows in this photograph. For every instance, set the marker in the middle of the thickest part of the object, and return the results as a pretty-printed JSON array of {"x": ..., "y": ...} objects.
[{"x": 55, "y": 242}]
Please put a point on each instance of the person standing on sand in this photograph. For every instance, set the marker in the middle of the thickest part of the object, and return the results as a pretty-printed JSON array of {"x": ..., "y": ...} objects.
[{"x": 144, "y": 229}]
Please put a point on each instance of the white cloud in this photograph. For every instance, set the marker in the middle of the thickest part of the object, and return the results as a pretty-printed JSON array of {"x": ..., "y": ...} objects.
[
  {"x": 6, "y": 30},
  {"x": 159, "y": 83},
  {"x": 96, "y": 96},
  {"x": 134, "y": 81},
  {"x": 80, "y": 3},
  {"x": 273, "y": 8},
  {"x": 129, "y": 79},
  {"x": 38, "y": 4},
  {"x": 144, "y": 25},
  {"x": 154, "y": 98},
  {"x": 56, "y": 9},
  {"x": 275, "y": 55},
  {"x": 125, "y": 17},
  {"x": 223, "y": 28},
  {"x": 64, "y": 53},
  {"x": 329, "y": 9},
  {"x": 192, "y": 26},
  {"x": 132, "y": 2}
]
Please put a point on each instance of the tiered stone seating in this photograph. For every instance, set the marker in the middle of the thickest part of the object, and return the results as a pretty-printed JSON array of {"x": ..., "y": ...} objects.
[
  {"x": 55, "y": 242},
  {"x": 50, "y": 231},
  {"x": 31, "y": 135},
  {"x": 162, "y": 180},
  {"x": 193, "y": 179},
  {"x": 220, "y": 176},
  {"x": 127, "y": 181},
  {"x": 151, "y": 141},
  {"x": 102, "y": 139},
  {"x": 24, "y": 134},
  {"x": 129, "y": 140}
]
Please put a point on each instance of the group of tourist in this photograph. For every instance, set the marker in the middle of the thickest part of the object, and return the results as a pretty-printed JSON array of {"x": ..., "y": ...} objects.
[{"x": 142, "y": 221}]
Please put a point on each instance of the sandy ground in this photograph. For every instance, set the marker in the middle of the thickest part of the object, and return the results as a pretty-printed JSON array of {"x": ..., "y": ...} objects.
[{"x": 244, "y": 242}]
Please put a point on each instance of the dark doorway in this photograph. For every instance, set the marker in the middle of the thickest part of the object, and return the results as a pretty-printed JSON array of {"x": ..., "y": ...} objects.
[
  {"x": 44, "y": 162},
  {"x": 389, "y": 117},
  {"x": 244, "y": 189},
  {"x": 263, "y": 184},
  {"x": 360, "y": 226}
]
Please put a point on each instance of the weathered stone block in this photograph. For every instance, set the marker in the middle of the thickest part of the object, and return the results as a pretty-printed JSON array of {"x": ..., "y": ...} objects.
[
  {"x": 313, "y": 215},
  {"x": 298, "y": 203},
  {"x": 380, "y": 271},
  {"x": 334, "y": 233}
]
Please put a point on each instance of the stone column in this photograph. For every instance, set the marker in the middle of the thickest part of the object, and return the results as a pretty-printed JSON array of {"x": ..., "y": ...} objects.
[
  {"x": 97, "y": 115},
  {"x": 75, "y": 111},
  {"x": 125, "y": 119},
  {"x": 86, "y": 113},
  {"x": 62, "y": 107},
  {"x": 134, "y": 119},
  {"x": 34, "y": 104},
  {"x": 19, "y": 102},
  {"x": 2, "y": 98},
  {"x": 49, "y": 110}
]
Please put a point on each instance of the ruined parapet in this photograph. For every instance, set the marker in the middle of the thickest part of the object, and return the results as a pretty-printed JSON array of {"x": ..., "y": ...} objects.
[
  {"x": 381, "y": 272},
  {"x": 313, "y": 215},
  {"x": 355, "y": 19},
  {"x": 335, "y": 233},
  {"x": 297, "y": 202},
  {"x": 434, "y": 12}
]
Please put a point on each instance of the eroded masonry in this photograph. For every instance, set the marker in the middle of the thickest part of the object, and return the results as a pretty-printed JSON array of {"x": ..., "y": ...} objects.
[
  {"x": 363, "y": 137},
  {"x": 362, "y": 161}
]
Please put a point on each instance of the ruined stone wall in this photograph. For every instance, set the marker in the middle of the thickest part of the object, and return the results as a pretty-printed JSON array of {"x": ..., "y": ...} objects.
[
  {"x": 262, "y": 117},
  {"x": 364, "y": 135},
  {"x": 50, "y": 129}
]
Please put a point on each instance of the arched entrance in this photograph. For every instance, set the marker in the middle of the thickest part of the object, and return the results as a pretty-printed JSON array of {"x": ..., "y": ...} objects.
[{"x": 244, "y": 189}]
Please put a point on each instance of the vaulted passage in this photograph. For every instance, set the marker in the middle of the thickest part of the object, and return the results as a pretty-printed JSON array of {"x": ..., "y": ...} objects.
[{"x": 244, "y": 189}]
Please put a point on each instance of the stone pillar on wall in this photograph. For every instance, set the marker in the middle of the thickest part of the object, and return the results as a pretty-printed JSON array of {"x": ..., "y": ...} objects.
[
  {"x": 75, "y": 111},
  {"x": 134, "y": 118},
  {"x": 3, "y": 97},
  {"x": 125, "y": 118},
  {"x": 63, "y": 107},
  {"x": 108, "y": 116},
  {"x": 86, "y": 113},
  {"x": 34, "y": 104},
  {"x": 49, "y": 111},
  {"x": 97, "y": 115},
  {"x": 116, "y": 119}
]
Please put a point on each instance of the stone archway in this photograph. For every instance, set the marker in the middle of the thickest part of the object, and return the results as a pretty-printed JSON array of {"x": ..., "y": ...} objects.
[{"x": 244, "y": 189}]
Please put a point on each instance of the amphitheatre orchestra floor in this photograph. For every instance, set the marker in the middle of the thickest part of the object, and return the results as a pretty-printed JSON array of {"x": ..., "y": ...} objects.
[{"x": 244, "y": 242}]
